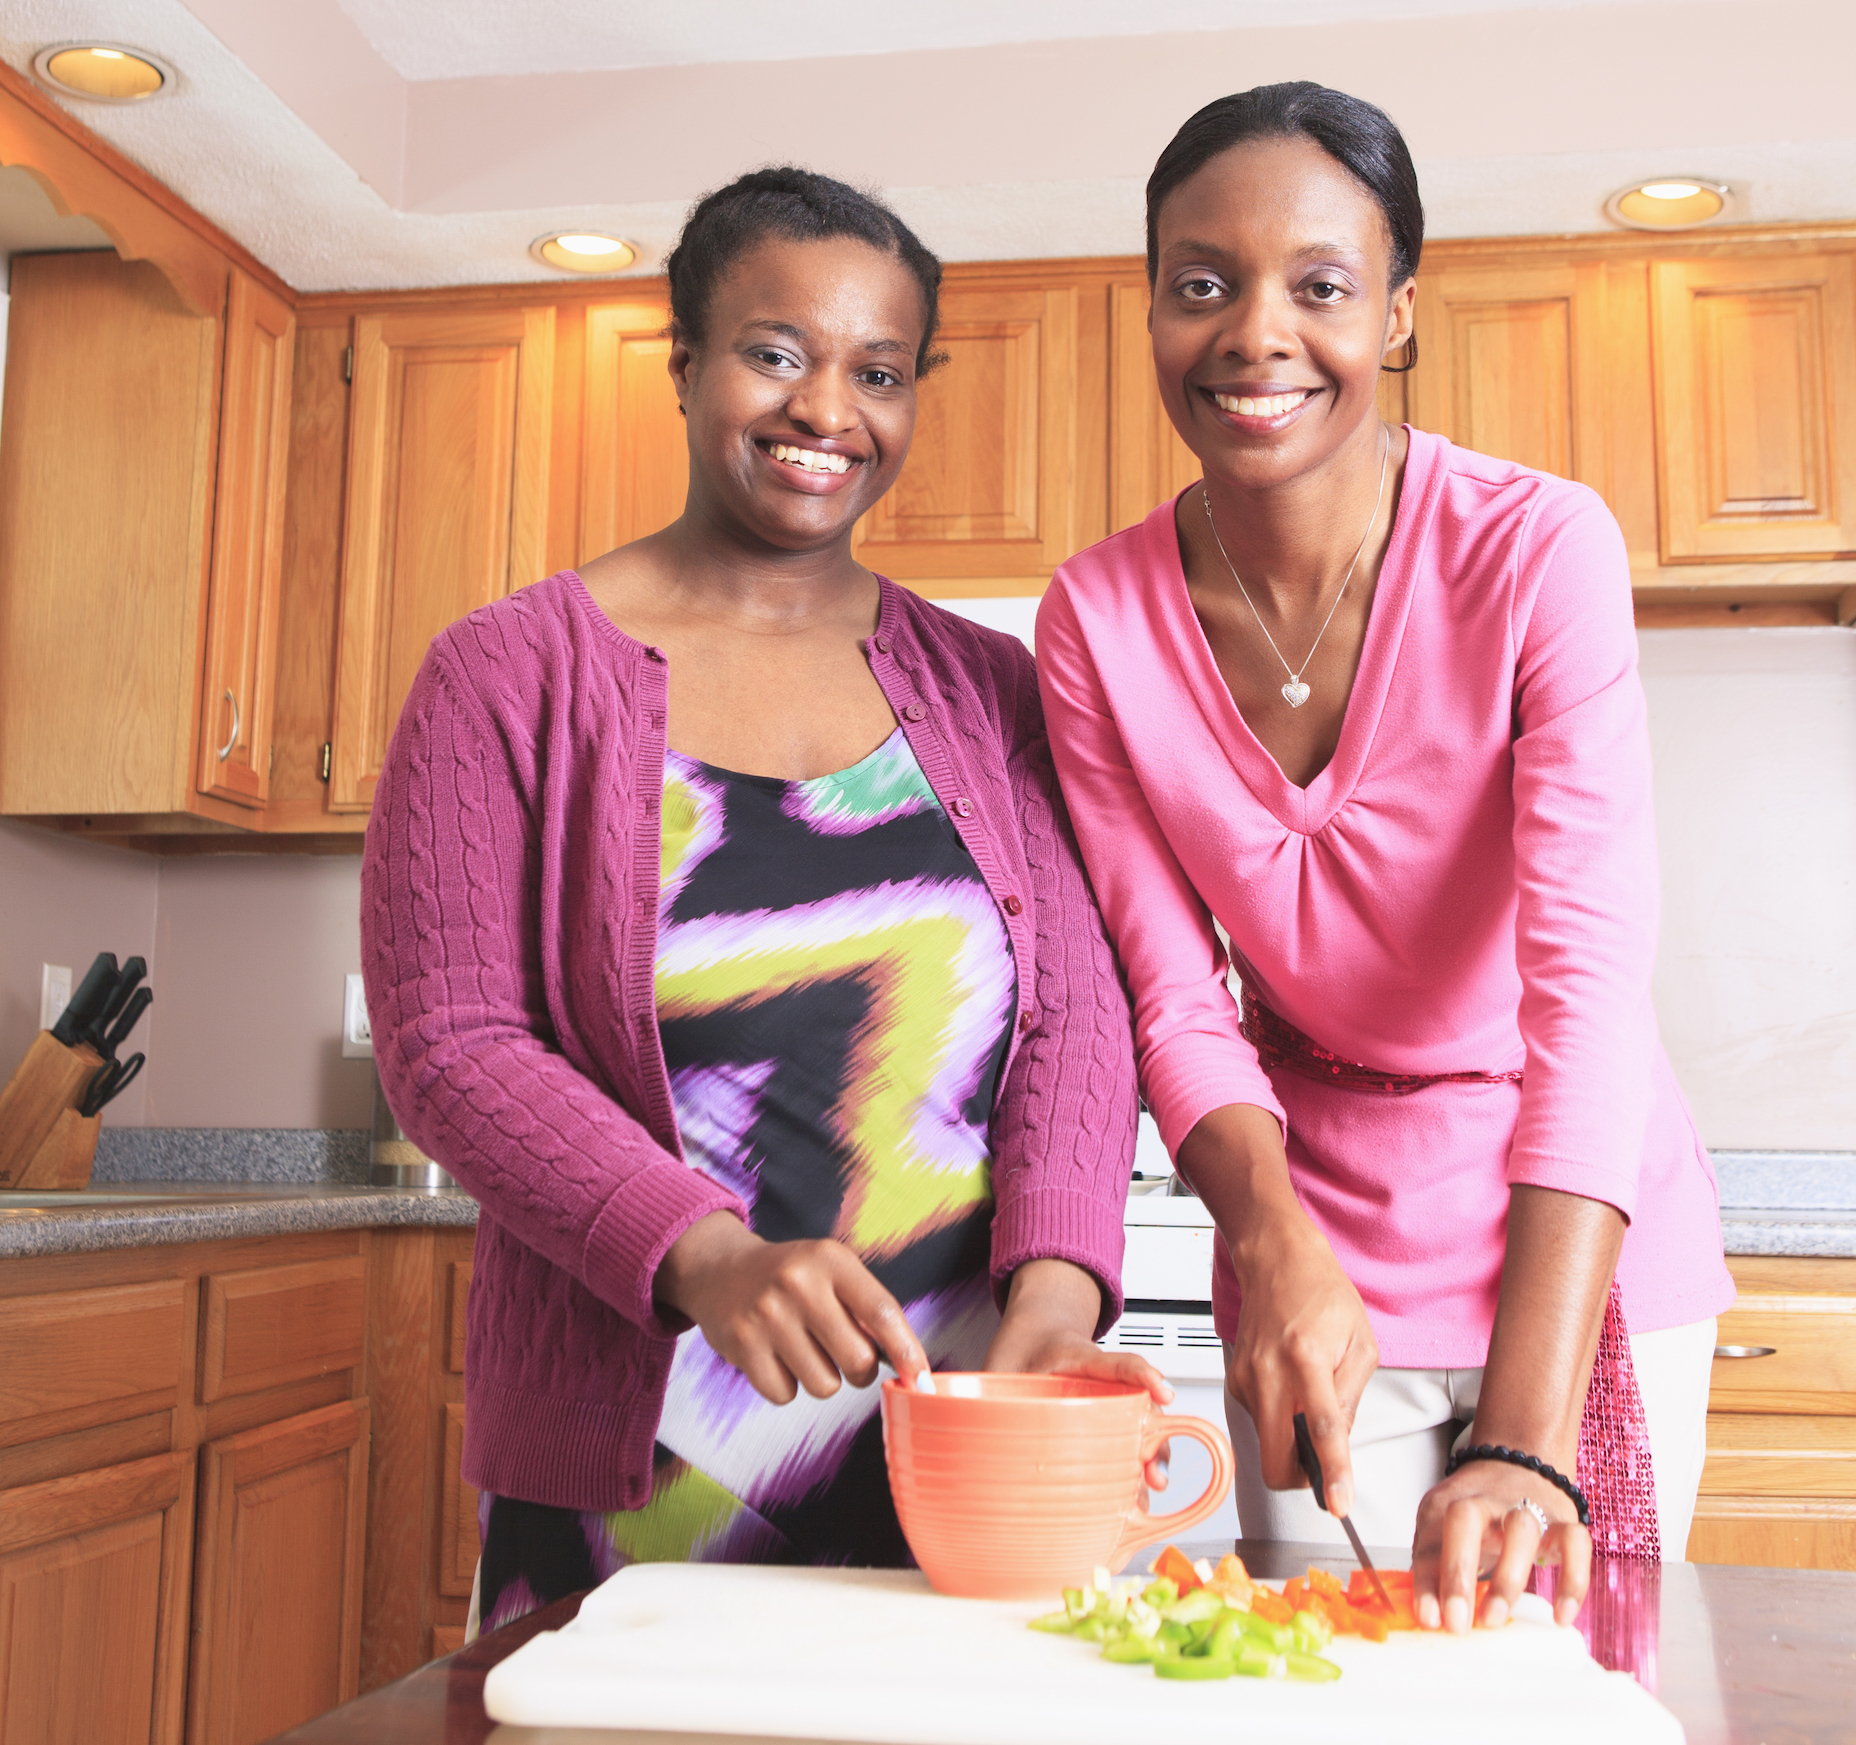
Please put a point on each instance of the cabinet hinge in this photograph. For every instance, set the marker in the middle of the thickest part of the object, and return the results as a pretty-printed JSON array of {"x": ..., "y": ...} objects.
[
  {"x": 327, "y": 748},
  {"x": 273, "y": 763},
  {"x": 348, "y": 364}
]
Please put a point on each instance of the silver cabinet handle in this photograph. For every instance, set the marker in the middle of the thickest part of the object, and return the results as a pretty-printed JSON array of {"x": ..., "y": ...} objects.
[
  {"x": 225, "y": 750},
  {"x": 1746, "y": 1351}
]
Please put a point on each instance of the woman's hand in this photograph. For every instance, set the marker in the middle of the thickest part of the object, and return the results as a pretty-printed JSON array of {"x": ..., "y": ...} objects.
[
  {"x": 786, "y": 1314},
  {"x": 1475, "y": 1519},
  {"x": 1048, "y": 1329},
  {"x": 1303, "y": 1342}
]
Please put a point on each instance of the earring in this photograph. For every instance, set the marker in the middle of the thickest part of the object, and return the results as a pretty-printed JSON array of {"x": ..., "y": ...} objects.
[{"x": 1411, "y": 359}]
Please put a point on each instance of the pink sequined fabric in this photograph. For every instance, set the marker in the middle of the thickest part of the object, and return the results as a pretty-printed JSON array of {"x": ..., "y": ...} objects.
[
  {"x": 1614, "y": 1441},
  {"x": 1279, "y": 1043},
  {"x": 1614, "y": 1449}
]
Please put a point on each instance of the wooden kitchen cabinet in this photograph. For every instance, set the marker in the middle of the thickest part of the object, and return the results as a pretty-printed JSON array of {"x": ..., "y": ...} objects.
[
  {"x": 448, "y": 438},
  {"x": 1756, "y": 407},
  {"x": 93, "y": 1605},
  {"x": 277, "y": 1582},
  {"x": 634, "y": 457},
  {"x": 183, "y": 1460},
  {"x": 248, "y": 533},
  {"x": 990, "y": 486},
  {"x": 1779, "y": 1486},
  {"x": 106, "y": 495}
]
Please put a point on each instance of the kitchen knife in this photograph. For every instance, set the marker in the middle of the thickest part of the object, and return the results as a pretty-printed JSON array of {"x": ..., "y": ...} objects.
[
  {"x": 92, "y": 995},
  {"x": 126, "y": 983},
  {"x": 1311, "y": 1465},
  {"x": 139, "y": 1002}
]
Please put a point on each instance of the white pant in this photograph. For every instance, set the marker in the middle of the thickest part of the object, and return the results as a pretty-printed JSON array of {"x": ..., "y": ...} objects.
[{"x": 1409, "y": 1419}]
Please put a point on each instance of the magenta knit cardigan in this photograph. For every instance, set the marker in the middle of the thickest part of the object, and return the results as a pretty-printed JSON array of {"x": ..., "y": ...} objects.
[{"x": 509, "y": 931}]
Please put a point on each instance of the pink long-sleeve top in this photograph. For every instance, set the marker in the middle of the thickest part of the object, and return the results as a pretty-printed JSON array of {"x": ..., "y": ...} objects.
[
  {"x": 509, "y": 906},
  {"x": 1469, "y": 886}
]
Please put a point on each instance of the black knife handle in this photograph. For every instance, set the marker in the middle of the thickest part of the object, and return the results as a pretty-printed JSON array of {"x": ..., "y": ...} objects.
[
  {"x": 139, "y": 1003},
  {"x": 126, "y": 983},
  {"x": 1311, "y": 1461},
  {"x": 92, "y": 995}
]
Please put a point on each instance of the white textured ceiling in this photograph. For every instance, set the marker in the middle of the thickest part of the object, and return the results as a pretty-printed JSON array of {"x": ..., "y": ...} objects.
[
  {"x": 464, "y": 39},
  {"x": 294, "y": 124}
]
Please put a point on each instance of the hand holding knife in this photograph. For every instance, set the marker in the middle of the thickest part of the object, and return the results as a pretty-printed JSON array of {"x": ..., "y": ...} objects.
[{"x": 1311, "y": 1465}]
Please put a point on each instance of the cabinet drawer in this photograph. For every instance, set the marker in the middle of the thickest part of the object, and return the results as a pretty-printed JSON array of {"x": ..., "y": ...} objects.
[
  {"x": 85, "y": 1348},
  {"x": 1810, "y": 1366},
  {"x": 1781, "y": 1455},
  {"x": 278, "y": 1324}
]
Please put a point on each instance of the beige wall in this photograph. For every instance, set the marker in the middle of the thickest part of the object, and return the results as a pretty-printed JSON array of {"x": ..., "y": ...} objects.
[
  {"x": 246, "y": 955},
  {"x": 63, "y": 902}
]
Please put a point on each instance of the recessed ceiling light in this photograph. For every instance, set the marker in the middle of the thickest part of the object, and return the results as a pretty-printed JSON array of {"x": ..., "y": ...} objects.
[
  {"x": 1668, "y": 203},
  {"x": 583, "y": 251},
  {"x": 103, "y": 72}
]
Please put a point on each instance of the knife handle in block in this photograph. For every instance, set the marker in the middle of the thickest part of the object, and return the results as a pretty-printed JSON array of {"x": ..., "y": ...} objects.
[{"x": 50, "y": 1080}]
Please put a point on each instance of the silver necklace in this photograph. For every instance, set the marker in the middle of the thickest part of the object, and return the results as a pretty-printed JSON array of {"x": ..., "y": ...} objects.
[{"x": 1295, "y": 693}]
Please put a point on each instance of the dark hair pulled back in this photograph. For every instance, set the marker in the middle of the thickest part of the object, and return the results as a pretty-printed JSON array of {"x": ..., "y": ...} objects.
[
  {"x": 798, "y": 206},
  {"x": 1359, "y": 136}
]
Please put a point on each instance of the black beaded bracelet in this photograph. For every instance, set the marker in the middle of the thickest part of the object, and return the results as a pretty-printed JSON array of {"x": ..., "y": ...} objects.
[{"x": 1533, "y": 1463}]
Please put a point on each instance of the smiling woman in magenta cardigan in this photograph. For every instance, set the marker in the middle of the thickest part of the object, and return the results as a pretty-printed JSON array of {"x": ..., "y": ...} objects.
[
  {"x": 726, "y": 938},
  {"x": 1358, "y": 717}
]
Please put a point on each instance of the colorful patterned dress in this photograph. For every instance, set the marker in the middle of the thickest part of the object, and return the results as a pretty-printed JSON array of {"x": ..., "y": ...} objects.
[{"x": 834, "y": 993}]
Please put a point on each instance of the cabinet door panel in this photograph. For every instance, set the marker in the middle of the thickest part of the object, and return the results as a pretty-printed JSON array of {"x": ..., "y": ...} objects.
[
  {"x": 277, "y": 1597},
  {"x": 990, "y": 484},
  {"x": 93, "y": 1606},
  {"x": 635, "y": 464},
  {"x": 106, "y": 470},
  {"x": 447, "y": 494},
  {"x": 1508, "y": 356},
  {"x": 248, "y": 545},
  {"x": 1147, "y": 460},
  {"x": 1756, "y": 407}
]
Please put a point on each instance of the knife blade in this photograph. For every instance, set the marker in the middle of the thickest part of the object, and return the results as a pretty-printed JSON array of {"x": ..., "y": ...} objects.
[
  {"x": 1311, "y": 1465},
  {"x": 92, "y": 995}
]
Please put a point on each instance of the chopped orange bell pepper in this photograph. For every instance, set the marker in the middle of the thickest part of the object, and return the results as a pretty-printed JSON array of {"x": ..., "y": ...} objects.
[
  {"x": 1271, "y": 1608},
  {"x": 1231, "y": 1581},
  {"x": 1176, "y": 1566}
]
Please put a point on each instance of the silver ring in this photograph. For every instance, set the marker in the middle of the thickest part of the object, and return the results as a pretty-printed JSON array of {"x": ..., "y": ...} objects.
[{"x": 1527, "y": 1505}]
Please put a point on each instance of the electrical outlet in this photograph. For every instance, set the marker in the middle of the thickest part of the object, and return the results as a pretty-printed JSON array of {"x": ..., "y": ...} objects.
[
  {"x": 357, "y": 1037},
  {"x": 54, "y": 992}
]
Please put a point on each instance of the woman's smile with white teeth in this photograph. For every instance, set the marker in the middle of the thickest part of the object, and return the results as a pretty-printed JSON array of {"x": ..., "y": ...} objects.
[
  {"x": 1267, "y": 406},
  {"x": 812, "y": 459}
]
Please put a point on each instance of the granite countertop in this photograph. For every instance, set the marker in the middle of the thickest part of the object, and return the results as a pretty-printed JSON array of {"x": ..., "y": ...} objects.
[
  {"x": 1796, "y": 1203},
  {"x": 146, "y": 1214}
]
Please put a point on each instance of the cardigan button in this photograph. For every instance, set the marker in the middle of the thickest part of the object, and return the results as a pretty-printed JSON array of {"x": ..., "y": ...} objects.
[
  {"x": 882, "y": 643},
  {"x": 1024, "y": 1021},
  {"x": 1012, "y": 906},
  {"x": 963, "y": 807},
  {"x": 914, "y": 712}
]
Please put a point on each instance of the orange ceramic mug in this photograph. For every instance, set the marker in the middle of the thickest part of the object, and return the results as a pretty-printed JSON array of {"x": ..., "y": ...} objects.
[{"x": 1014, "y": 1486}]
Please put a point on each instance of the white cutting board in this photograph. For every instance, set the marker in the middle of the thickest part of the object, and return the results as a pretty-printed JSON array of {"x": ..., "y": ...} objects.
[{"x": 875, "y": 1656}]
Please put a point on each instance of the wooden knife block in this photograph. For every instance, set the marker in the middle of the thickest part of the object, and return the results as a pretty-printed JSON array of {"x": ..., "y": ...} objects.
[{"x": 44, "y": 1142}]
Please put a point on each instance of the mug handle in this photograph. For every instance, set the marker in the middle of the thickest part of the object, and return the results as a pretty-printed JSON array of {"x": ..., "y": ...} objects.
[{"x": 1144, "y": 1528}]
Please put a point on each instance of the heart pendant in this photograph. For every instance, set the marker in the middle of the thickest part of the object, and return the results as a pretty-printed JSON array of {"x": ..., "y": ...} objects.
[{"x": 1295, "y": 693}]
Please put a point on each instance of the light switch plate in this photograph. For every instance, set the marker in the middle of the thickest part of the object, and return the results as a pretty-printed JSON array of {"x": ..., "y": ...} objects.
[
  {"x": 357, "y": 1036},
  {"x": 54, "y": 992}
]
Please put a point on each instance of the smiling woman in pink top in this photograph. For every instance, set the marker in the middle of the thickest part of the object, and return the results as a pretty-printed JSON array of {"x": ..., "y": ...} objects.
[{"x": 1365, "y": 706}]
